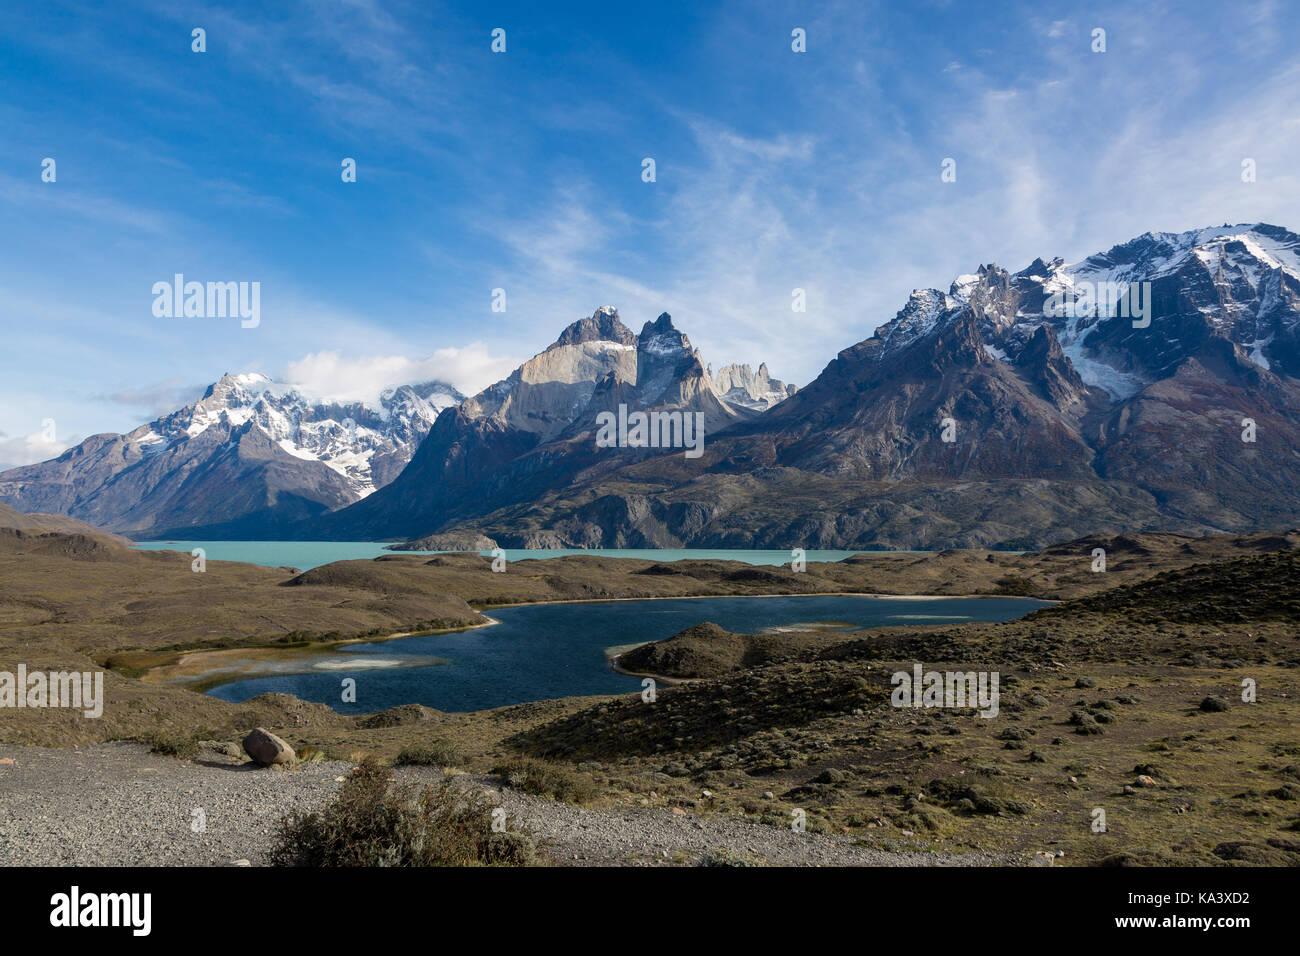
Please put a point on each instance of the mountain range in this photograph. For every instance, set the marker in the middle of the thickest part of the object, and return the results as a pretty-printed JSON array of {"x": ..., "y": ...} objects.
[
  {"x": 1010, "y": 410},
  {"x": 254, "y": 458},
  {"x": 533, "y": 432},
  {"x": 249, "y": 457}
]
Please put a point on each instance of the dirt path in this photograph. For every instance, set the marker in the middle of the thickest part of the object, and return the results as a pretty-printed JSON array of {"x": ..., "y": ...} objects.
[{"x": 118, "y": 804}]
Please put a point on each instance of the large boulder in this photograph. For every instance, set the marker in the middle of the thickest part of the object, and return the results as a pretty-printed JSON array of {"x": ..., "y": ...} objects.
[{"x": 266, "y": 748}]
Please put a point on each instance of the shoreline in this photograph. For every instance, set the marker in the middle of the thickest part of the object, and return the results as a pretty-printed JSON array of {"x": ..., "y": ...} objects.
[
  {"x": 612, "y": 660},
  {"x": 858, "y": 594},
  {"x": 193, "y": 669},
  {"x": 186, "y": 672}
]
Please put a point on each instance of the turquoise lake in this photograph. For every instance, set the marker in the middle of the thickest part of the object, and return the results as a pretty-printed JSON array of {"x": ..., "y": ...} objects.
[
  {"x": 306, "y": 555},
  {"x": 558, "y": 650}
]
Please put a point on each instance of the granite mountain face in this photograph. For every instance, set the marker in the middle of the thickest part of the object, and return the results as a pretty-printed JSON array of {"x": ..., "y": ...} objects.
[
  {"x": 534, "y": 432},
  {"x": 741, "y": 385}
]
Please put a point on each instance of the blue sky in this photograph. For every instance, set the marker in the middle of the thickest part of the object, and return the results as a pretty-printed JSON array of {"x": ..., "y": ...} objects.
[{"x": 775, "y": 170}]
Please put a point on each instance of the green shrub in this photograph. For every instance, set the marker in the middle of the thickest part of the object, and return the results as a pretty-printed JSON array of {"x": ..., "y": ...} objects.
[
  {"x": 729, "y": 857},
  {"x": 544, "y": 779},
  {"x": 375, "y": 823},
  {"x": 310, "y": 754},
  {"x": 511, "y": 848},
  {"x": 173, "y": 744},
  {"x": 436, "y": 753},
  {"x": 1014, "y": 584}
]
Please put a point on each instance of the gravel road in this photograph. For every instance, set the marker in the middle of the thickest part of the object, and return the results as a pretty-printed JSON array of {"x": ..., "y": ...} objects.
[{"x": 121, "y": 805}]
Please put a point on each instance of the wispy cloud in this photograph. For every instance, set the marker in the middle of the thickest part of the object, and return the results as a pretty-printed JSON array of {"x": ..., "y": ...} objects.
[
  {"x": 158, "y": 398},
  {"x": 1067, "y": 156},
  {"x": 776, "y": 171},
  {"x": 31, "y": 448},
  {"x": 64, "y": 201},
  {"x": 334, "y": 375}
]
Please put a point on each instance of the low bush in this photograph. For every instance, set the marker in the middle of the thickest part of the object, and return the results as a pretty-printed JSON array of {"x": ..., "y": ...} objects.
[
  {"x": 544, "y": 779},
  {"x": 376, "y": 823},
  {"x": 183, "y": 746},
  {"x": 435, "y": 753}
]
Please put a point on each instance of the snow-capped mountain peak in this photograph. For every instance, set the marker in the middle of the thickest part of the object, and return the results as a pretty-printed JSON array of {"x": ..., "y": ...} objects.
[
  {"x": 926, "y": 311},
  {"x": 1239, "y": 282},
  {"x": 367, "y": 444}
]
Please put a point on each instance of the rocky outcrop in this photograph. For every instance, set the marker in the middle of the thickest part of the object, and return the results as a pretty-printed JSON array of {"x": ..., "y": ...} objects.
[
  {"x": 38, "y": 523},
  {"x": 704, "y": 650},
  {"x": 451, "y": 541}
]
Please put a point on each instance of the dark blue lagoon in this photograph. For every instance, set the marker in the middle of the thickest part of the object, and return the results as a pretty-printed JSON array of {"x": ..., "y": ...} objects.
[{"x": 559, "y": 650}]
